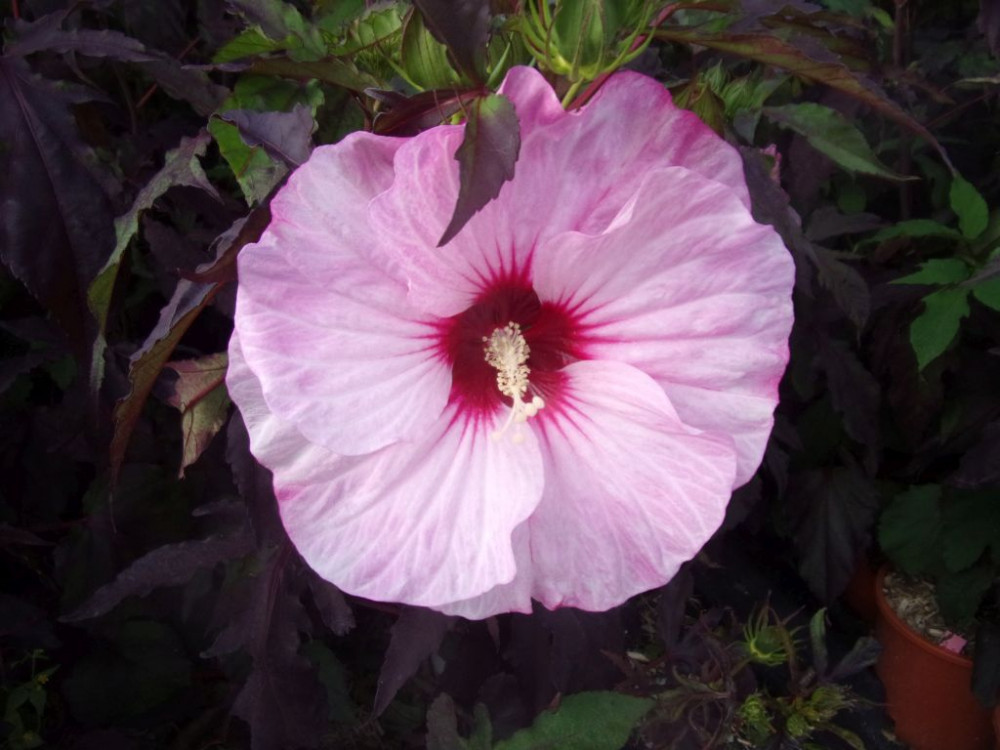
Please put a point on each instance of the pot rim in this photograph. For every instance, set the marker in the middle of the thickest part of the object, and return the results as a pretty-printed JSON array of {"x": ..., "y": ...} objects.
[{"x": 889, "y": 615}]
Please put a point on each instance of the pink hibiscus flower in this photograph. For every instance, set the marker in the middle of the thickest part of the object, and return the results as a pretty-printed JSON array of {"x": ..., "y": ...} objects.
[{"x": 558, "y": 403}]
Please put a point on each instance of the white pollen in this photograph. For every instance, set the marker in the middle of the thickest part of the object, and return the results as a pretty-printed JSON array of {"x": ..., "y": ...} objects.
[{"x": 507, "y": 351}]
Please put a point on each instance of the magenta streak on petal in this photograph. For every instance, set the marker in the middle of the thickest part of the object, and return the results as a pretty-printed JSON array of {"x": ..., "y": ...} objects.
[{"x": 550, "y": 330}]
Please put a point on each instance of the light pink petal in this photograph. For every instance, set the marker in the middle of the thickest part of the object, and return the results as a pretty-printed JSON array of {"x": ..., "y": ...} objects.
[
  {"x": 691, "y": 291},
  {"x": 580, "y": 171},
  {"x": 630, "y": 491},
  {"x": 427, "y": 522},
  {"x": 345, "y": 360},
  {"x": 320, "y": 218},
  {"x": 276, "y": 444},
  {"x": 514, "y": 596},
  {"x": 577, "y": 171}
]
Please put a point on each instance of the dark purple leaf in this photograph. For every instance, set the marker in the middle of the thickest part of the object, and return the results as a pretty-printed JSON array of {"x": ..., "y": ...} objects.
[
  {"x": 486, "y": 157},
  {"x": 170, "y": 565},
  {"x": 57, "y": 226},
  {"x": 831, "y": 512},
  {"x": 849, "y": 289},
  {"x": 44, "y": 36},
  {"x": 463, "y": 26},
  {"x": 411, "y": 115},
  {"x": 415, "y": 636},
  {"x": 182, "y": 166},
  {"x": 989, "y": 23},
  {"x": 828, "y": 222},
  {"x": 332, "y": 605},
  {"x": 855, "y": 393},
  {"x": 187, "y": 84},
  {"x": 11, "y": 536},
  {"x": 189, "y": 299},
  {"x": 254, "y": 483},
  {"x": 282, "y": 699},
  {"x": 25, "y": 622},
  {"x": 286, "y": 136},
  {"x": 986, "y": 665},
  {"x": 672, "y": 606},
  {"x": 264, "y": 13},
  {"x": 862, "y": 655},
  {"x": 980, "y": 465}
]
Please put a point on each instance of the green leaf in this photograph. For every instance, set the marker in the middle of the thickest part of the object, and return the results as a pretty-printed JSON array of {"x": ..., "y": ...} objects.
[
  {"x": 959, "y": 594},
  {"x": 486, "y": 157},
  {"x": 936, "y": 327},
  {"x": 968, "y": 204},
  {"x": 201, "y": 397},
  {"x": 248, "y": 44},
  {"x": 971, "y": 524},
  {"x": 915, "y": 228},
  {"x": 585, "y": 721},
  {"x": 938, "y": 271},
  {"x": 988, "y": 292},
  {"x": 910, "y": 528},
  {"x": 424, "y": 59},
  {"x": 830, "y": 133},
  {"x": 182, "y": 166},
  {"x": 255, "y": 171}
]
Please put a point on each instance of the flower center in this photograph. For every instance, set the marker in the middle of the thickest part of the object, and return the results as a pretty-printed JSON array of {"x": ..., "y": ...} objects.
[{"x": 507, "y": 352}]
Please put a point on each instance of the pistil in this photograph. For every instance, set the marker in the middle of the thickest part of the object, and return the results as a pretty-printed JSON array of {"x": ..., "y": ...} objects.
[{"x": 507, "y": 352}]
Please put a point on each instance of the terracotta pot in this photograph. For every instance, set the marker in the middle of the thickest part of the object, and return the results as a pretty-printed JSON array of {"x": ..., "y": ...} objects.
[
  {"x": 996, "y": 726},
  {"x": 927, "y": 688}
]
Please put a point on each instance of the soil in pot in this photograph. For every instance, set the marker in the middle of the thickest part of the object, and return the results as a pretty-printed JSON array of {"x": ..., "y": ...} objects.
[{"x": 927, "y": 687}]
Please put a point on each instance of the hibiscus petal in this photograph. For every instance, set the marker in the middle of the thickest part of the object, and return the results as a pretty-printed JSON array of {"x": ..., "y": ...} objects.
[
  {"x": 630, "y": 491},
  {"x": 427, "y": 522},
  {"x": 320, "y": 218},
  {"x": 691, "y": 291},
  {"x": 276, "y": 444},
  {"x": 514, "y": 596},
  {"x": 570, "y": 176},
  {"x": 346, "y": 360}
]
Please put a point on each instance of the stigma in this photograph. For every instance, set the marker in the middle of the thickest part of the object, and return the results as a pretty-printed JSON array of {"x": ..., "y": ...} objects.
[{"x": 507, "y": 352}]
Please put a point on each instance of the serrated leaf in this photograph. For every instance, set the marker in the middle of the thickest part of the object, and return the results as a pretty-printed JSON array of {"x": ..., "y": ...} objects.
[
  {"x": 937, "y": 326},
  {"x": 181, "y": 166},
  {"x": 57, "y": 221},
  {"x": 988, "y": 292},
  {"x": 971, "y": 525},
  {"x": 42, "y": 35},
  {"x": 286, "y": 136},
  {"x": 170, "y": 565},
  {"x": 968, "y": 204},
  {"x": 910, "y": 528},
  {"x": 915, "y": 228},
  {"x": 980, "y": 464},
  {"x": 938, "y": 271},
  {"x": 960, "y": 594},
  {"x": 830, "y": 133},
  {"x": 463, "y": 26},
  {"x": 200, "y": 395},
  {"x": 486, "y": 158},
  {"x": 831, "y": 514},
  {"x": 848, "y": 287},
  {"x": 585, "y": 721}
]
